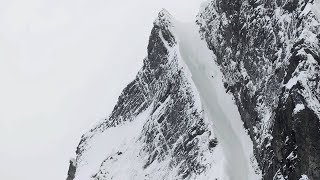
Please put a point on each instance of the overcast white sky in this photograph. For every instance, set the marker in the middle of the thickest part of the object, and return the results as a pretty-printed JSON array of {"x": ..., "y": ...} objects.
[{"x": 63, "y": 64}]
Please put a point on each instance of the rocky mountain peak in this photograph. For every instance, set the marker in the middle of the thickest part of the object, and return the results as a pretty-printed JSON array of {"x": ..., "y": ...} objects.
[
  {"x": 161, "y": 39},
  {"x": 164, "y": 19},
  {"x": 266, "y": 74}
]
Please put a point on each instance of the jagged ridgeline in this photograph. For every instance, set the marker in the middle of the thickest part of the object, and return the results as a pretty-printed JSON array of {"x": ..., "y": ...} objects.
[
  {"x": 157, "y": 130},
  {"x": 268, "y": 52}
]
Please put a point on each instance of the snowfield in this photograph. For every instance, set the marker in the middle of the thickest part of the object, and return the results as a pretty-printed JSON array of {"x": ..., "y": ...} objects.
[{"x": 113, "y": 141}]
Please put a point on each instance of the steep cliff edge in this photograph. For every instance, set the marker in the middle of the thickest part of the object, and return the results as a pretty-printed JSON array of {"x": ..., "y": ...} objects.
[{"x": 269, "y": 54}]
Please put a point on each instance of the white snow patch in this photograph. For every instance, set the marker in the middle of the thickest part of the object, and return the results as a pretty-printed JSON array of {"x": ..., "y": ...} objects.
[
  {"x": 316, "y": 9},
  {"x": 304, "y": 177},
  {"x": 298, "y": 108},
  {"x": 293, "y": 81},
  {"x": 216, "y": 170},
  {"x": 73, "y": 161},
  {"x": 278, "y": 176},
  {"x": 303, "y": 77},
  {"x": 306, "y": 10},
  {"x": 287, "y": 139},
  {"x": 292, "y": 156}
]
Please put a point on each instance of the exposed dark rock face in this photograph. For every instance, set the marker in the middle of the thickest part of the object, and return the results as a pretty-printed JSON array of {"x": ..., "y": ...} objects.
[
  {"x": 72, "y": 170},
  {"x": 269, "y": 54}
]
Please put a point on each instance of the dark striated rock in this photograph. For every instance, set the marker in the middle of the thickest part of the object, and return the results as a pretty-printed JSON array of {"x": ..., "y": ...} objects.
[
  {"x": 269, "y": 55},
  {"x": 72, "y": 170}
]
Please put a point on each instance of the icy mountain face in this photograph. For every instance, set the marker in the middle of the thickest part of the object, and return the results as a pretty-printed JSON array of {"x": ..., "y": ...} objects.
[
  {"x": 158, "y": 129},
  {"x": 269, "y": 54}
]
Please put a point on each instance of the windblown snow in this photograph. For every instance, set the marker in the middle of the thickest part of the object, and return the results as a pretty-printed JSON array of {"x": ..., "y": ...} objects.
[{"x": 111, "y": 142}]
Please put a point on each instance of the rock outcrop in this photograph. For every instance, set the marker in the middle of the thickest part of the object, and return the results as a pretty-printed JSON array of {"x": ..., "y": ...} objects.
[
  {"x": 269, "y": 54},
  {"x": 72, "y": 169}
]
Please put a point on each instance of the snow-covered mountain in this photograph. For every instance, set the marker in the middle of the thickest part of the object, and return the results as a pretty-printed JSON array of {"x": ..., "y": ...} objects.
[{"x": 241, "y": 103}]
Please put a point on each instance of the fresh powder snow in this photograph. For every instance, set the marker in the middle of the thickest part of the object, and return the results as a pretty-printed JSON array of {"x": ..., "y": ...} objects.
[{"x": 108, "y": 143}]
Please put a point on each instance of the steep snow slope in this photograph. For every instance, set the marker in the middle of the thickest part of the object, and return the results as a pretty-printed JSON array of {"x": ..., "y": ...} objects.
[
  {"x": 316, "y": 8},
  {"x": 113, "y": 141},
  {"x": 218, "y": 105}
]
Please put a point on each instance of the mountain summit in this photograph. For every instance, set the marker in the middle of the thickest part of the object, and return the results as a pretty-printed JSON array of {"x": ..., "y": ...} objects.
[{"x": 233, "y": 96}]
